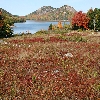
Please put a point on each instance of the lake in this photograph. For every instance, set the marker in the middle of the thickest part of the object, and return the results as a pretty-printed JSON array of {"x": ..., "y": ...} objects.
[{"x": 32, "y": 26}]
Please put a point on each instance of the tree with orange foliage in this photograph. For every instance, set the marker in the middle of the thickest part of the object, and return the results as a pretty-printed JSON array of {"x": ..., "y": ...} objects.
[
  {"x": 60, "y": 25},
  {"x": 80, "y": 20}
]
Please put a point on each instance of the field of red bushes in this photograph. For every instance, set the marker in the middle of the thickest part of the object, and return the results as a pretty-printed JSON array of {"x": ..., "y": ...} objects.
[{"x": 50, "y": 67}]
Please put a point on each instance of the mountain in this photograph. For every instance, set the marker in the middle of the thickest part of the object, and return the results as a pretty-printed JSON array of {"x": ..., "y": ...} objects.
[
  {"x": 5, "y": 13},
  {"x": 49, "y": 13}
]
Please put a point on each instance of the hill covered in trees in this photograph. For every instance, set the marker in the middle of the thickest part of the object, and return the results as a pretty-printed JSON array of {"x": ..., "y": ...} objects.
[
  {"x": 49, "y": 13},
  {"x": 11, "y": 19},
  {"x": 6, "y": 21},
  {"x": 45, "y": 13},
  {"x": 4, "y": 12}
]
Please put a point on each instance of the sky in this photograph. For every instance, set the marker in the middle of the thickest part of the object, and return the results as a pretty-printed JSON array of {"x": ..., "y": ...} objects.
[{"x": 24, "y": 7}]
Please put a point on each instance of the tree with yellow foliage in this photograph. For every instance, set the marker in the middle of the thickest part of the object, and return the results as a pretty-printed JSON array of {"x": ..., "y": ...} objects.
[{"x": 60, "y": 25}]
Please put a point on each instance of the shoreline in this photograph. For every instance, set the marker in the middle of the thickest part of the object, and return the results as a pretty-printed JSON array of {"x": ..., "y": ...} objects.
[{"x": 50, "y": 20}]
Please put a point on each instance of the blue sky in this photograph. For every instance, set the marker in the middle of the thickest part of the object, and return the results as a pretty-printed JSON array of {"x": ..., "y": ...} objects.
[{"x": 24, "y": 7}]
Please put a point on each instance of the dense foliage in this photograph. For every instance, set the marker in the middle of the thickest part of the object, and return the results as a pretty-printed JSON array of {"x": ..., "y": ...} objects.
[
  {"x": 80, "y": 21},
  {"x": 6, "y": 21},
  {"x": 5, "y": 30},
  {"x": 94, "y": 22}
]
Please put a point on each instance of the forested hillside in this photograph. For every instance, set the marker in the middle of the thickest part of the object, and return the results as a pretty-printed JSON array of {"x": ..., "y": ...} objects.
[
  {"x": 49, "y": 13},
  {"x": 11, "y": 19}
]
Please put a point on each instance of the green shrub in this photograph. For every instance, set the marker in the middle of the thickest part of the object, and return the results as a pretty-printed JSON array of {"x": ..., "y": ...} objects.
[
  {"x": 50, "y": 27},
  {"x": 42, "y": 32},
  {"x": 5, "y": 31},
  {"x": 79, "y": 30},
  {"x": 67, "y": 26},
  {"x": 77, "y": 38}
]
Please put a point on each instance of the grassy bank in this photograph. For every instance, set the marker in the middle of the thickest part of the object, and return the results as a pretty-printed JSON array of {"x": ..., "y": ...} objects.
[{"x": 50, "y": 67}]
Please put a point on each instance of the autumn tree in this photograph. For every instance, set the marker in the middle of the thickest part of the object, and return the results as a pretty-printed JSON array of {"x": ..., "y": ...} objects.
[
  {"x": 5, "y": 30},
  {"x": 60, "y": 25},
  {"x": 80, "y": 21},
  {"x": 1, "y": 19}
]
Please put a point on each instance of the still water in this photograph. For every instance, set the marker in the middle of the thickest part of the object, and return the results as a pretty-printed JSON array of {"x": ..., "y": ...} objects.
[{"x": 32, "y": 26}]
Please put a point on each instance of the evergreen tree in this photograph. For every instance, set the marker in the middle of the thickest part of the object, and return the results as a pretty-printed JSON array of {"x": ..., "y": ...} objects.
[
  {"x": 50, "y": 27},
  {"x": 94, "y": 15}
]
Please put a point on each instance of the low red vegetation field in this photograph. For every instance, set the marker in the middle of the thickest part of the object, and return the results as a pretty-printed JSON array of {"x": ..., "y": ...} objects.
[{"x": 50, "y": 67}]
